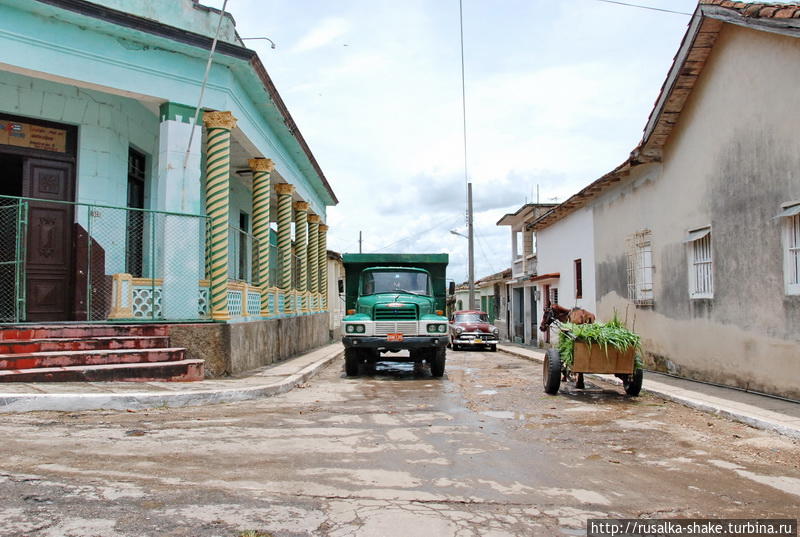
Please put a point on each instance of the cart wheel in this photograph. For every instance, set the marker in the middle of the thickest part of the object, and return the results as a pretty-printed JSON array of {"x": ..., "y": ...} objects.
[
  {"x": 351, "y": 360},
  {"x": 633, "y": 383},
  {"x": 551, "y": 371}
]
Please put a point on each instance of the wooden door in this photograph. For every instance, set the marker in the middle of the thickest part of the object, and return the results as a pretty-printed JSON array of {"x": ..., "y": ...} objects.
[{"x": 49, "y": 259}]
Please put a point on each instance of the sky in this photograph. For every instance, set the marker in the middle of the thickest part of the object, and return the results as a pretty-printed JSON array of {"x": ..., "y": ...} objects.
[{"x": 557, "y": 95}]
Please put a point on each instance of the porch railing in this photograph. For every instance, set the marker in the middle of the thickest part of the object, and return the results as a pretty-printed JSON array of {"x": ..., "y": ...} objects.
[{"x": 125, "y": 263}]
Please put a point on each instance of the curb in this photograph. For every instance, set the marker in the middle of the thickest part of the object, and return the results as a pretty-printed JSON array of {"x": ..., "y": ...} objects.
[
  {"x": 753, "y": 421},
  {"x": 68, "y": 402}
]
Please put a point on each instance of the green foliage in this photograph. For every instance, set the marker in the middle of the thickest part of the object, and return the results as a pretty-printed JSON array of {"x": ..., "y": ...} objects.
[{"x": 612, "y": 333}]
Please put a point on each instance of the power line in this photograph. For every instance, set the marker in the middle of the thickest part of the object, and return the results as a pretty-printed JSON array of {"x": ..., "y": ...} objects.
[
  {"x": 651, "y": 8},
  {"x": 447, "y": 220},
  {"x": 463, "y": 89}
]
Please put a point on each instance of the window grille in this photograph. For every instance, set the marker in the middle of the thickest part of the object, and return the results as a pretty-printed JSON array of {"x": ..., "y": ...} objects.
[
  {"x": 793, "y": 254},
  {"x": 640, "y": 268},
  {"x": 554, "y": 295},
  {"x": 701, "y": 264}
]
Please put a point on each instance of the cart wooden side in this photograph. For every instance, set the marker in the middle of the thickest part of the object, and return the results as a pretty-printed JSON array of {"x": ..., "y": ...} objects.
[{"x": 596, "y": 359}]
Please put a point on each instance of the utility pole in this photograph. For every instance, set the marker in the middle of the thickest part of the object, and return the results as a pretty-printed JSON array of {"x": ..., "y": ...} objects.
[
  {"x": 359, "y": 242},
  {"x": 471, "y": 253}
]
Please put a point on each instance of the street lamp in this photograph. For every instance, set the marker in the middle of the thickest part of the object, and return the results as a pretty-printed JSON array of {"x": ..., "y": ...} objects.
[{"x": 271, "y": 42}]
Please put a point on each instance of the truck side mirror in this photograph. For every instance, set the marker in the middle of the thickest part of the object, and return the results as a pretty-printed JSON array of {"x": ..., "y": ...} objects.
[
  {"x": 452, "y": 289},
  {"x": 341, "y": 287}
]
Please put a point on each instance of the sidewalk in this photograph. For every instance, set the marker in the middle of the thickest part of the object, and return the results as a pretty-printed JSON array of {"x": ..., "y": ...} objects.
[
  {"x": 755, "y": 410},
  {"x": 72, "y": 396}
]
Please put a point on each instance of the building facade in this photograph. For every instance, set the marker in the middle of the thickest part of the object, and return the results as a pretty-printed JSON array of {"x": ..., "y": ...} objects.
[
  {"x": 697, "y": 235},
  {"x": 129, "y": 204}
]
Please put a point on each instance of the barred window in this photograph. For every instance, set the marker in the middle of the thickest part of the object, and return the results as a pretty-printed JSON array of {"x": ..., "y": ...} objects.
[
  {"x": 701, "y": 264},
  {"x": 791, "y": 226},
  {"x": 640, "y": 268}
]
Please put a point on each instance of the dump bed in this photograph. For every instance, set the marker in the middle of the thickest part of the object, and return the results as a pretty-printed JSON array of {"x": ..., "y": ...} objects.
[{"x": 436, "y": 264}]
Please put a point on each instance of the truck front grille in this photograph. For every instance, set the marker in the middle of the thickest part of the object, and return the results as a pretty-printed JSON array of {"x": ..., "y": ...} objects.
[
  {"x": 387, "y": 327},
  {"x": 395, "y": 314}
]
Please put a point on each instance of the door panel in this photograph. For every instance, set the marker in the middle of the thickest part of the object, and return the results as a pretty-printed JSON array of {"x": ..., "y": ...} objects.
[{"x": 49, "y": 259}]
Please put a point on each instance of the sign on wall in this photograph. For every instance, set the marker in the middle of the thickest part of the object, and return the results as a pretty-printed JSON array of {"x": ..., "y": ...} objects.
[{"x": 18, "y": 134}]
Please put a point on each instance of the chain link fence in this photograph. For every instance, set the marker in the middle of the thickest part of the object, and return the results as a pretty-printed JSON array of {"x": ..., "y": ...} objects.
[{"x": 13, "y": 217}]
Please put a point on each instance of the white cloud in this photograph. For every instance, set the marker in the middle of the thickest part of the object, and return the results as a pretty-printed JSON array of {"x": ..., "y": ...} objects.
[{"x": 324, "y": 33}]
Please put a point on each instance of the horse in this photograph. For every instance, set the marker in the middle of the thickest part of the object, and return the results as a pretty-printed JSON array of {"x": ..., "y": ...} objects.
[
  {"x": 554, "y": 312},
  {"x": 563, "y": 315}
]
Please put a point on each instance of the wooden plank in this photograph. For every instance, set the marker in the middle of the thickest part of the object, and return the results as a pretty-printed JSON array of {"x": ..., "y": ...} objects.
[{"x": 594, "y": 359}]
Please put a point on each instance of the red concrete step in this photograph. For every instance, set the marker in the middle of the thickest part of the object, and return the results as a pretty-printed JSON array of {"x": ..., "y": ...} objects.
[
  {"x": 82, "y": 331},
  {"x": 19, "y": 346},
  {"x": 180, "y": 371},
  {"x": 33, "y": 360}
]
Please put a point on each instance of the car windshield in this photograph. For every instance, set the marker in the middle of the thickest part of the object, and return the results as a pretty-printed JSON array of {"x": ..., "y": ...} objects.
[
  {"x": 398, "y": 281},
  {"x": 471, "y": 318}
]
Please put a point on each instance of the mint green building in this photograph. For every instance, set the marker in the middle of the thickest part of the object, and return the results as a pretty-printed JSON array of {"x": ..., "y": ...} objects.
[{"x": 116, "y": 206}]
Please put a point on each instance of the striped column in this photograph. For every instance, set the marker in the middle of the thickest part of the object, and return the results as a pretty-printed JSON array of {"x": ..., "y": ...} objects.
[
  {"x": 323, "y": 263},
  {"x": 313, "y": 252},
  {"x": 262, "y": 191},
  {"x": 284, "y": 191},
  {"x": 218, "y": 152},
  {"x": 301, "y": 247}
]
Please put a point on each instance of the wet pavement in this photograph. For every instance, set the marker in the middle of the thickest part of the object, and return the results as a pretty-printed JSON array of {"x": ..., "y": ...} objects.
[{"x": 482, "y": 452}]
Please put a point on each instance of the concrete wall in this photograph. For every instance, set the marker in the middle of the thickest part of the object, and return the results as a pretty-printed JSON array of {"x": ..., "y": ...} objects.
[
  {"x": 732, "y": 161},
  {"x": 229, "y": 349}
]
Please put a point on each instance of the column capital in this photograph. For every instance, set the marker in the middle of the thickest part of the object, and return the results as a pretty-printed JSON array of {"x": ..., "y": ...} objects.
[
  {"x": 261, "y": 164},
  {"x": 284, "y": 188},
  {"x": 301, "y": 206},
  {"x": 323, "y": 228},
  {"x": 313, "y": 219},
  {"x": 219, "y": 120}
]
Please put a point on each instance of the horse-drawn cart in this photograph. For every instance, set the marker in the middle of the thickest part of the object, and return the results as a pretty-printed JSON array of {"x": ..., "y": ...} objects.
[{"x": 576, "y": 355}]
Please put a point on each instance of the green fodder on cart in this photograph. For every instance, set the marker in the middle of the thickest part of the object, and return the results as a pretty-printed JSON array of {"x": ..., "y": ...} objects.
[{"x": 612, "y": 333}]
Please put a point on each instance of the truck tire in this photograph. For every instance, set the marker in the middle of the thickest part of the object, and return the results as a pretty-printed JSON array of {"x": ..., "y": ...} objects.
[
  {"x": 551, "y": 371},
  {"x": 352, "y": 358},
  {"x": 437, "y": 362}
]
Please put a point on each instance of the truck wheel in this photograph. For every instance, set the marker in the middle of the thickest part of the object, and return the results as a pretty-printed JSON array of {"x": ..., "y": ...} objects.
[
  {"x": 633, "y": 383},
  {"x": 351, "y": 360},
  {"x": 551, "y": 371},
  {"x": 437, "y": 362}
]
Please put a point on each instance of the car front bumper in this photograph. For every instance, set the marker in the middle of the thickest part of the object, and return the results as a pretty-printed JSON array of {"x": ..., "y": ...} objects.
[{"x": 475, "y": 339}]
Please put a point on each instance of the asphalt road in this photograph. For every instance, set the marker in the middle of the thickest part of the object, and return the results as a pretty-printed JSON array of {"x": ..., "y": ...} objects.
[{"x": 483, "y": 452}]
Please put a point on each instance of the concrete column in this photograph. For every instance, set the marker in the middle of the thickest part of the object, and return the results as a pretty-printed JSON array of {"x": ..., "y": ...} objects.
[
  {"x": 284, "y": 191},
  {"x": 180, "y": 252},
  {"x": 218, "y": 156},
  {"x": 313, "y": 254},
  {"x": 262, "y": 191},
  {"x": 323, "y": 265},
  {"x": 301, "y": 243}
]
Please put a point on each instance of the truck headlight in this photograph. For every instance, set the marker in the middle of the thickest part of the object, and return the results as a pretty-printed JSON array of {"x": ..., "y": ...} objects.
[
  {"x": 350, "y": 328},
  {"x": 437, "y": 328},
  {"x": 359, "y": 328},
  {"x": 442, "y": 328}
]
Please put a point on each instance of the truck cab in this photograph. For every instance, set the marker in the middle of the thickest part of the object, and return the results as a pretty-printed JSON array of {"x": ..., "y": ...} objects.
[{"x": 395, "y": 302}]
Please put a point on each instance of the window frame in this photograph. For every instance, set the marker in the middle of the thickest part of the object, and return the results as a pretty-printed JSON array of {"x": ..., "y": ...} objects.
[
  {"x": 693, "y": 263},
  {"x": 578, "y": 270},
  {"x": 790, "y": 230},
  {"x": 640, "y": 267}
]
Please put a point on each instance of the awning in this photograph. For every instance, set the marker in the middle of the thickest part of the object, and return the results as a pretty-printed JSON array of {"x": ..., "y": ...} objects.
[
  {"x": 545, "y": 277},
  {"x": 697, "y": 234},
  {"x": 789, "y": 211}
]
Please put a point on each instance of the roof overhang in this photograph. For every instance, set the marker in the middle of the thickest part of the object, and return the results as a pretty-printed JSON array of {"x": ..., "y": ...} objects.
[
  {"x": 232, "y": 52},
  {"x": 542, "y": 278}
]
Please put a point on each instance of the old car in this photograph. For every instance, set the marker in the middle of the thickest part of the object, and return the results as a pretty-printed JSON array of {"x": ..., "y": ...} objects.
[{"x": 471, "y": 328}]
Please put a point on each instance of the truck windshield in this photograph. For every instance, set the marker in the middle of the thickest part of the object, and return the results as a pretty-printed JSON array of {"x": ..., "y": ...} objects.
[{"x": 416, "y": 283}]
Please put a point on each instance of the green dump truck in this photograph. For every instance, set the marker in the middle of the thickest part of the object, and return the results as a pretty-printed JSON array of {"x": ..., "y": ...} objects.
[{"x": 395, "y": 302}]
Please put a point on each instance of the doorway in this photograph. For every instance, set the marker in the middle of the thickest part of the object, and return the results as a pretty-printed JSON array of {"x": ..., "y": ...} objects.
[{"x": 38, "y": 162}]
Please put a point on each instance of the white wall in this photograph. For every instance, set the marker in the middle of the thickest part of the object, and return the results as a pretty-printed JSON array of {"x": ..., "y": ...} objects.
[{"x": 558, "y": 246}]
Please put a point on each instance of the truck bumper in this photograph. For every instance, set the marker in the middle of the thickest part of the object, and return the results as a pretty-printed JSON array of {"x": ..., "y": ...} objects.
[{"x": 409, "y": 343}]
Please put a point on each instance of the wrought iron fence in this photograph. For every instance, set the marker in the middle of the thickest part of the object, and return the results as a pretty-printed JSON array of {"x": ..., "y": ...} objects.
[{"x": 126, "y": 263}]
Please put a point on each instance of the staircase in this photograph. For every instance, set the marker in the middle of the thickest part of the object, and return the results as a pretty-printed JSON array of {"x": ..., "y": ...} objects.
[{"x": 93, "y": 353}]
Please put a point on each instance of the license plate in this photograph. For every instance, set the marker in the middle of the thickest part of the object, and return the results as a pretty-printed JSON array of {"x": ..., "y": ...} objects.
[
  {"x": 477, "y": 340},
  {"x": 394, "y": 337}
]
